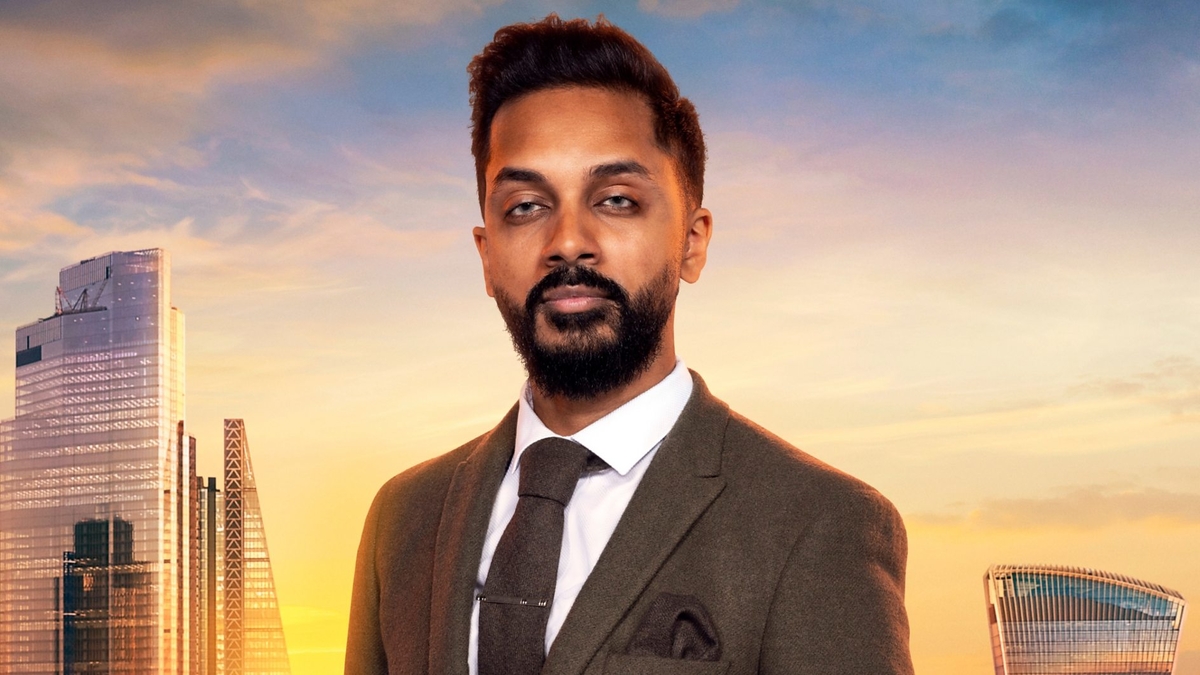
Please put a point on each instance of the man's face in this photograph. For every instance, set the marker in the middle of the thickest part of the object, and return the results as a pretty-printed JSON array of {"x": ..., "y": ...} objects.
[{"x": 586, "y": 236}]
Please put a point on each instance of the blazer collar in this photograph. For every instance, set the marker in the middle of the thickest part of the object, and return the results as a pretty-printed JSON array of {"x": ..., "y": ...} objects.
[
  {"x": 682, "y": 480},
  {"x": 463, "y": 526}
]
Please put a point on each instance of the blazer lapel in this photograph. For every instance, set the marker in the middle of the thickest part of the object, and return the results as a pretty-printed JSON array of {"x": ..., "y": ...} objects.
[
  {"x": 463, "y": 527},
  {"x": 681, "y": 482}
]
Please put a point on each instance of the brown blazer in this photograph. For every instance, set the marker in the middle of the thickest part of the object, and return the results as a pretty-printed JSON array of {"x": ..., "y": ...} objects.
[{"x": 786, "y": 564}]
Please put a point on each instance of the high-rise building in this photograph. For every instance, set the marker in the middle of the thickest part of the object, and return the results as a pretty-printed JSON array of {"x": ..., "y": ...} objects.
[
  {"x": 210, "y": 594},
  {"x": 115, "y": 557},
  {"x": 240, "y": 623},
  {"x": 254, "y": 642},
  {"x": 1052, "y": 620},
  {"x": 94, "y": 489}
]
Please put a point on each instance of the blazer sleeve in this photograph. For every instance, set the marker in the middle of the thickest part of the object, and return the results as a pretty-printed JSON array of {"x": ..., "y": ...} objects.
[
  {"x": 839, "y": 605},
  {"x": 364, "y": 644}
]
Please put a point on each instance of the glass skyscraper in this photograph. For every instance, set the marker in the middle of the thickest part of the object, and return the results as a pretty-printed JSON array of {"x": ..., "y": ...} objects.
[
  {"x": 94, "y": 479},
  {"x": 1052, "y": 620},
  {"x": 210, "y": 592},
  {"x": 115, "y": 557}
]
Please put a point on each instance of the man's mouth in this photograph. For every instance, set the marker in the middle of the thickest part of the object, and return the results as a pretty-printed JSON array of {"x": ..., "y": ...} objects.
[{"x": 574, "y": 298}]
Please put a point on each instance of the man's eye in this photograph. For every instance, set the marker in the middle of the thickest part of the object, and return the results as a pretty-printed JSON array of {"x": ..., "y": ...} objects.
[
  {"x": 524, "y": 209},
  {"x": 619, "y": 202}
]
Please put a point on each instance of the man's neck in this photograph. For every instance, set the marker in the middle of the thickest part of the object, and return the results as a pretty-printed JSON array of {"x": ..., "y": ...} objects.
[{"x": 565, "y": 416}]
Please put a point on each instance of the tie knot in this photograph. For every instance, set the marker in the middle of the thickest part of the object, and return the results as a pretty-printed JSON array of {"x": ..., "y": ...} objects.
[{"x": 550, "y": 468}]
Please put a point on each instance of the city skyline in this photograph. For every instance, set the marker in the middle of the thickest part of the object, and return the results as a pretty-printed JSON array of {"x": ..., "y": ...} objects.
[
  {"x": 104, "y": 563},
  {"x": 953, "y": 247}
]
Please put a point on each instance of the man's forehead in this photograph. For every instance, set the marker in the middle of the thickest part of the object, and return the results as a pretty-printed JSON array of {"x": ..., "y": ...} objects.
[
  {"x": 595, "y": 131},
  {"x": 573, "y": 114}
]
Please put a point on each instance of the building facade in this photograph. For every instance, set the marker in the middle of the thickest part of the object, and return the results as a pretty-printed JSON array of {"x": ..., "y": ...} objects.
[
  {"x": 240, "y": 623},
  {"x": 115, "y": 557},
  {"x": 93, "y": 484},
  {"x": 210, "y": 591},
  {"x": 253, "y": 641},
  {"x": 1053, "y": 620}
]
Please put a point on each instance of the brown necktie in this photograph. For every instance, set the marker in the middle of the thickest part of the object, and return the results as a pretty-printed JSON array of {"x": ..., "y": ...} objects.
[{"x": 516, "y": 598}]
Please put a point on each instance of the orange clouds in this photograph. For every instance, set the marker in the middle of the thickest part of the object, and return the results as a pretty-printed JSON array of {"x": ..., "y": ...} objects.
[
  {"x": 1081, "y": 508},
  {"x": 1172, "y": 384}
]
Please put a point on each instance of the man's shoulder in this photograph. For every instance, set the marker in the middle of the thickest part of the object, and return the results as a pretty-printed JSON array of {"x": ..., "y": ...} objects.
[
  {"x": 834, "y": 548},
  {"x": 762, "y": 468}
]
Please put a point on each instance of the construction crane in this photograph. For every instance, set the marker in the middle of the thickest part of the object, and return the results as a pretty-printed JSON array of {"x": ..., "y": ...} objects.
[{"x": 82, "y": 304}]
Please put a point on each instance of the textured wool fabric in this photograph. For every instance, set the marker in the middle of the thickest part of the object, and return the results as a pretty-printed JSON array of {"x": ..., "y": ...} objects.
[
  {"x": 676, "y": 627},
  {"x": 799, "y": 567},
  {"x": 625, "y": 441},
  {"x": 520, "y": 585}
]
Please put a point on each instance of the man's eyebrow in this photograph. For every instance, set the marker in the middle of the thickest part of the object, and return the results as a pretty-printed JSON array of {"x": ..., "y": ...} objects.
[
  {"x": 619, "y": 168},
  {"x": 513, "y": 174}
]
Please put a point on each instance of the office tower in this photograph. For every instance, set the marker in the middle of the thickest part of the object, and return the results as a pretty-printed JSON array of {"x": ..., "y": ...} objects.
[
  {"x": 254, "y": 642},
  {"x": 1048, "y": 619},
  {"x": 195, "y": 635},
  {"x": 210, "y": 594},
  {"x": 243, "y": 630},
  {"x": 94, "y": 489}
]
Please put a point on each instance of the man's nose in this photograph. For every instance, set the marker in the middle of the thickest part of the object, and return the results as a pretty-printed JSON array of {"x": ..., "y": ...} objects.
[{"x": 571, "y": 239}]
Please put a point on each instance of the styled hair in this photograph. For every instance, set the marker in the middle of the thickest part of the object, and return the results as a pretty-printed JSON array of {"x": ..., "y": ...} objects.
[{"x": 527, "y": 57}]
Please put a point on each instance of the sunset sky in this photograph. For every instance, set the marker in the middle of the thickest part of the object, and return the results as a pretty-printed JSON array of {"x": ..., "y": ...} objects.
[{"x": 956, "y": 253}]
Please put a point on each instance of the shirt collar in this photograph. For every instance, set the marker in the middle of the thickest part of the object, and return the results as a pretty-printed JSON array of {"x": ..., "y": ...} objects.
[{"x": 622, "y": 437}]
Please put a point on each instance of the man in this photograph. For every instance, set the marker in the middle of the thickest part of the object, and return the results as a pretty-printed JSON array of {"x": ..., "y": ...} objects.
[{"x": 620, "y": 519}]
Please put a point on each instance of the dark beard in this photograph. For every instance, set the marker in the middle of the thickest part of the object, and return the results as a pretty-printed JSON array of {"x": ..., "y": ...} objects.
[{"x": 591, "y": 364}]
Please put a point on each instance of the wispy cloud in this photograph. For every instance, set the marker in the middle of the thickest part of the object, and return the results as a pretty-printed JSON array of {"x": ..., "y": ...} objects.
[
  {"x": 1172, "y": 384},
  {"x": 147, "y": 29},
  {"x": 1076, "y": 508},
  {"x": 107, "y": 101},
  {"x": 689, "y": 9}
]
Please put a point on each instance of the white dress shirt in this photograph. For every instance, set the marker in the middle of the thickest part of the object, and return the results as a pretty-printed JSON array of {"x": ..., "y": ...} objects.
[{"x": 627, "y": 439}]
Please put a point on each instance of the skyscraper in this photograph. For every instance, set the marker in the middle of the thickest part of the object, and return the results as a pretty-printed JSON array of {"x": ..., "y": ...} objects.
[
  {"x": 238, "y": 611},
  {"x": 210, "y": 593},
  {"x": 94, "y": 490},
  {"x": 114, "y": 554},
  {"x": 1051, "y": 620},
  {"x": 254, "y": 642}
]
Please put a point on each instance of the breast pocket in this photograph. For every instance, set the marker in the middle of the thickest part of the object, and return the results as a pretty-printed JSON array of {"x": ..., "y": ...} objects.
[{"x": 624, "y": 664}]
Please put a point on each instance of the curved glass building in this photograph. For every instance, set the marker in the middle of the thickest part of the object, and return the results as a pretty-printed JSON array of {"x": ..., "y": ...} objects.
[{"x": 1054, "y": 620}]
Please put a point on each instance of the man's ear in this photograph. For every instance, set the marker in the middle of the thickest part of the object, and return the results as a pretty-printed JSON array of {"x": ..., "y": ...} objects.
[
  {"x": 695, "y": 244},
  {"x": 481, "y": 246}
]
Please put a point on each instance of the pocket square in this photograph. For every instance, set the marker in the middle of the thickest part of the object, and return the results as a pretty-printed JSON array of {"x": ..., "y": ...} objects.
[{"x": 676, "y": 627}]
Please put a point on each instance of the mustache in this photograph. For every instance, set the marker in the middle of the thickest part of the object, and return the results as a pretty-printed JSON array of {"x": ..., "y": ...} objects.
[{"x": 575, "y": 275}]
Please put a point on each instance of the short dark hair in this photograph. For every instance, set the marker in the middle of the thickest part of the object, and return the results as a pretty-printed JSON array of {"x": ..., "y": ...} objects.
[{"x": 527, "y": 57}]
